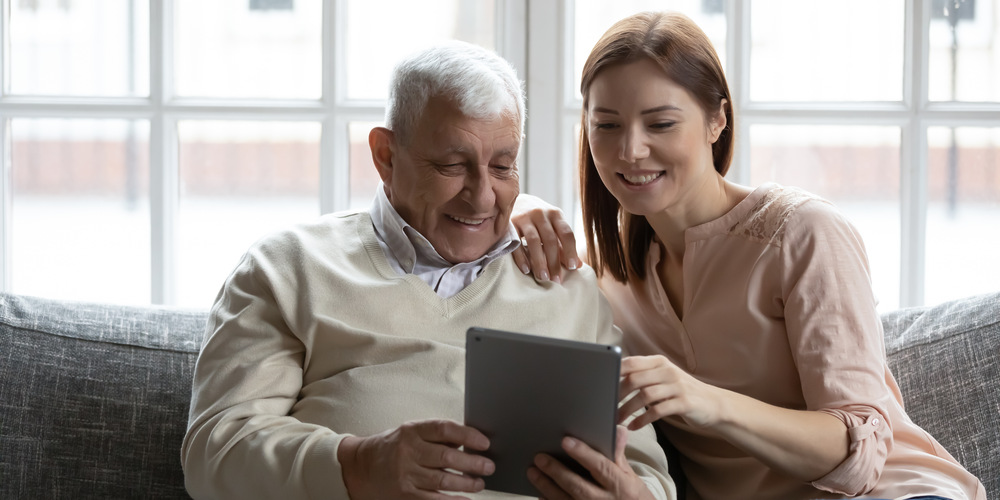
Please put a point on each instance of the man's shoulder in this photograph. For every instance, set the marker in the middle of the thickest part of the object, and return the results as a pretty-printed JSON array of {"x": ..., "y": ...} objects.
[
  {"x": 580, "y": 281},
  {"x": 334, "y": 230}
]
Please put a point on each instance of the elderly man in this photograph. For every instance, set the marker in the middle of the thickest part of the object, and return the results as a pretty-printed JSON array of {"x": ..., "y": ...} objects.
[{"x": 333, "y": 364}]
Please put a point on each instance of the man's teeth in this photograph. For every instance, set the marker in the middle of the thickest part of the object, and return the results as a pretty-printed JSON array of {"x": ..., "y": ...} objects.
[
  {"x": 474, "y": 222},
  {"x": 640, "y": 179}
]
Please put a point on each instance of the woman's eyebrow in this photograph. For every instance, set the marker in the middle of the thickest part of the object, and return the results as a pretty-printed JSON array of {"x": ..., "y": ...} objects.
[{"x": 666, "y": 107}]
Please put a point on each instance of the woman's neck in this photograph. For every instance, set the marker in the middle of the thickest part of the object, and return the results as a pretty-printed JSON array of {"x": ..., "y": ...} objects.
[{"x": 712, "y": 199}]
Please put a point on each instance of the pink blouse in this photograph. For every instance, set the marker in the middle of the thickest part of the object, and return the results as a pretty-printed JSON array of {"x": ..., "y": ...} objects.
[{"x": 778, "y": 306}]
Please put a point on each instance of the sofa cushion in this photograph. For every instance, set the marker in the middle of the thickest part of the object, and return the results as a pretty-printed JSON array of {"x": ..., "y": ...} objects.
[
  {"x": 94, "y": 398},
  {"x": 946, "y": 359}
]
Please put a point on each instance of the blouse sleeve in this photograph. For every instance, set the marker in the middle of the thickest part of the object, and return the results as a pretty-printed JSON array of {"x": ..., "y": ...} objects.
[{"x": 835, "y": 336}]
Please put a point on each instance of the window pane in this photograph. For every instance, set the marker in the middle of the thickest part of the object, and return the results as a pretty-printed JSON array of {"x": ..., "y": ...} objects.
[
  {"x": 239, "y": 181},
  {"x": 89, "y": 48},
  {"x": 80, "y": 211},
  {"x": 962, "y": 213},
  {"x": 364, "y": 177},
  {"x": 381, "y": 32},
  {"x": 235, "y": 48},
  {"x": 850, "y": 50},
  {"x": 856, "y": 168},
  {"x": 964, "y": 60},
  {"x": 593, "y": 17}
]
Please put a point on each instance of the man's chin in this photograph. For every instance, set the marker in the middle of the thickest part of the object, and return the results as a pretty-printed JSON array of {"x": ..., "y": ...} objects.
[{"x": 467, "y": 252}]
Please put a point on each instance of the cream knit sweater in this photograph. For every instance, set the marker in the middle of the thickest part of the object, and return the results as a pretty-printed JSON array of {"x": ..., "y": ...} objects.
[{"x": 314, "y": 337}]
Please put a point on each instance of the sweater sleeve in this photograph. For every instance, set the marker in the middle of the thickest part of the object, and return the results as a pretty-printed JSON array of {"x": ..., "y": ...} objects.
[
  {"x": 835, "y": 336},
  {"x": 241, "y": 441}
]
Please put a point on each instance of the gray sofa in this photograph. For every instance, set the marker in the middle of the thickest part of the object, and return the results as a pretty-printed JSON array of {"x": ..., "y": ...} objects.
[{"x": 94, "y": 397}]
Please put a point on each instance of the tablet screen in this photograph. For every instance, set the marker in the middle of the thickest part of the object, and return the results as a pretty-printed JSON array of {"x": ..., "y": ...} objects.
[{"x": 526, "y": 392}]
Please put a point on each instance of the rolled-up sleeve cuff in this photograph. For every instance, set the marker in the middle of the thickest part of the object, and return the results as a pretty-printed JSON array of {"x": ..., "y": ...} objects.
[{"x": 870, "y": 435}]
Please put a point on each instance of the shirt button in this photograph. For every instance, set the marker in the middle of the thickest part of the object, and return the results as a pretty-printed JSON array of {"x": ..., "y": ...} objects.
[{"x": 875, "y": 421}]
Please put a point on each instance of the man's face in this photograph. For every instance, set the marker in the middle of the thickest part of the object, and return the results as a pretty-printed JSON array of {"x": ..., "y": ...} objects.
[{"x": 455, "y": 180}]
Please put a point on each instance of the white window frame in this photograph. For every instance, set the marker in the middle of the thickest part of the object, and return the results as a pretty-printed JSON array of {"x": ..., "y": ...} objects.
[
  {"x": 334, "y": 111},
  {"x": 537, "y": 37},
  {"x": 550, "y": 79}
]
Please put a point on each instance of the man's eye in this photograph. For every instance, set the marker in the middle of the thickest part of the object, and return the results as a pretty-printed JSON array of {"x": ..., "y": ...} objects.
[{"x": 450, "y": 168}]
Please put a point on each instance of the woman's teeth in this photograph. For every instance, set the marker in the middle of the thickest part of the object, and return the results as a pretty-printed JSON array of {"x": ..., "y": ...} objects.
[
  {"x": 473, "y": 222},
  {"x": 641, "y": 179}
]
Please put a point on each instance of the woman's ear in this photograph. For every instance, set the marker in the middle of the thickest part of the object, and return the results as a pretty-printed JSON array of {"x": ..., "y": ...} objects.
[
  {"x": 382, "y": 142},
  {"x": 717, "y": 123}
]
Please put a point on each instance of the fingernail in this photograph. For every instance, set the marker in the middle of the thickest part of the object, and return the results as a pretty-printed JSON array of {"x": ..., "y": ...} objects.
[
  {"x": 569, "y": 442},
  {"x": 489, "y": 469},
  {"x": 573, "y": 264},
  {"x": 544, "y": 275},
  {"x": 526, "y": 270},
  {"x": 557, "y": 279}
]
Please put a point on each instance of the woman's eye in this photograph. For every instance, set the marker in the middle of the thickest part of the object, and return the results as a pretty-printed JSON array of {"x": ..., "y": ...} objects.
[
  {"x": 605, "y": 126},
  {"x": 662, "y": 125}
]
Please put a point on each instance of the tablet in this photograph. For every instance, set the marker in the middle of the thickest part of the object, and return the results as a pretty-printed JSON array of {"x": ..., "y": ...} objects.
[{"x": 526, "y": 392}]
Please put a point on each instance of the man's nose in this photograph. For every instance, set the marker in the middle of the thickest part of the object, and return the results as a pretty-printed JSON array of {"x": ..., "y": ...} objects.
[
  {"x": 479, "y": 189},
  {"x": 633, "y": 146}
]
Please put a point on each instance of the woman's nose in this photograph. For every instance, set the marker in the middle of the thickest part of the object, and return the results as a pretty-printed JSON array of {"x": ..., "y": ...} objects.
[{"x": 633, "y": 147}]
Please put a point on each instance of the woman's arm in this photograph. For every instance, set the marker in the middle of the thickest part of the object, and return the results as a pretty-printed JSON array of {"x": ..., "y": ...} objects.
[{"x": 803, "y": 444}]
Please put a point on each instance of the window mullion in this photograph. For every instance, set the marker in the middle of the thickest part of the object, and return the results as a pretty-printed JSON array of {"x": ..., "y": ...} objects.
[
  {"x": 549, "y": 23},
  {"x": 6, "y": 205},
  {"x": 6, "y": 171},
  {"x": 738, "y": 44},
  {"x": 162, "y": 156},
  {"x": 913, "y": 182},
  {"x": 332, "y": 168}
]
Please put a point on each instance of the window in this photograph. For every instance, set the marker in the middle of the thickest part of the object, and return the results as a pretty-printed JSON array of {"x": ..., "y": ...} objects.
[
  {"x": 888, "y": 108},
  {"x": 147, "y": 143},
  {"x": 151, "y": 142}
]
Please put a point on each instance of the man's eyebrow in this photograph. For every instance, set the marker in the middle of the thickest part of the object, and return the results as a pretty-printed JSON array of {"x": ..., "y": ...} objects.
[{"x": 505, "y": 153}]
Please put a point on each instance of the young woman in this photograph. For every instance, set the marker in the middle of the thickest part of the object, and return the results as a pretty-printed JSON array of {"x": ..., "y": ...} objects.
[{"x": 748, "y": 312}]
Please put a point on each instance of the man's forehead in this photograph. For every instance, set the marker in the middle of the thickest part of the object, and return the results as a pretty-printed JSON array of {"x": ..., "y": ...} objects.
[{"x": 460, "y": 134}]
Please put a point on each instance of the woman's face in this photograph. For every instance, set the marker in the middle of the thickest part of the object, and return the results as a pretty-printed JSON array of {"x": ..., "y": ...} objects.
[{"x": 650, "y": 140}]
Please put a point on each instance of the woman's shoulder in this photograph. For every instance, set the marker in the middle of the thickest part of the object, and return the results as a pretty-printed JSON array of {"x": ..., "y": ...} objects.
[{"x": 774, "y": 206}]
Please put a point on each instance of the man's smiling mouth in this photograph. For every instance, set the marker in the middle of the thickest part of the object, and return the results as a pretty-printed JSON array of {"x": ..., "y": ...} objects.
[{"x": 463, "y": 220}]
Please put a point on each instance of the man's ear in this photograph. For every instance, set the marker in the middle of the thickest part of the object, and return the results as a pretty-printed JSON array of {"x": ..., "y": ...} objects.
[
  {"x": 383, "y": 145},
  {"x": 717, "y": 123}
]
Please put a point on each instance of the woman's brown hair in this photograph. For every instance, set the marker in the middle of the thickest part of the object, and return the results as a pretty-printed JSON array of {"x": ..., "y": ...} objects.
[{"x": 616, "y": 240}]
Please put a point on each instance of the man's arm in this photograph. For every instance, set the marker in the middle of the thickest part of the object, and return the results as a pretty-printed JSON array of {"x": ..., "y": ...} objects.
[{"x": 241, "y": 441}]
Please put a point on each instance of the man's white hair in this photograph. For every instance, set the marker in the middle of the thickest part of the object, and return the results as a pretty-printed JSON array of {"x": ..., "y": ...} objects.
[{"x": 480, "y": 82}]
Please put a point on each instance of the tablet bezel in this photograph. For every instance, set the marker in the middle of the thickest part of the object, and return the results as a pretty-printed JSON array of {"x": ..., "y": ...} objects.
[{"x": 525, "y": 392}]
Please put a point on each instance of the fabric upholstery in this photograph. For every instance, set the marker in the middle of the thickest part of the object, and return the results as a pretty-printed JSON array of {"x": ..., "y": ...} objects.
[
  {"x": 93, "y": 398},
  {"x": 946, "y": 359}
]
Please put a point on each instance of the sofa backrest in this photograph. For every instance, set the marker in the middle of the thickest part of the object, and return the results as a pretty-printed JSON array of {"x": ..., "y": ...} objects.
[
  {"x": 946, "y": 359},
  {"x": 94, "y": 398}
]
